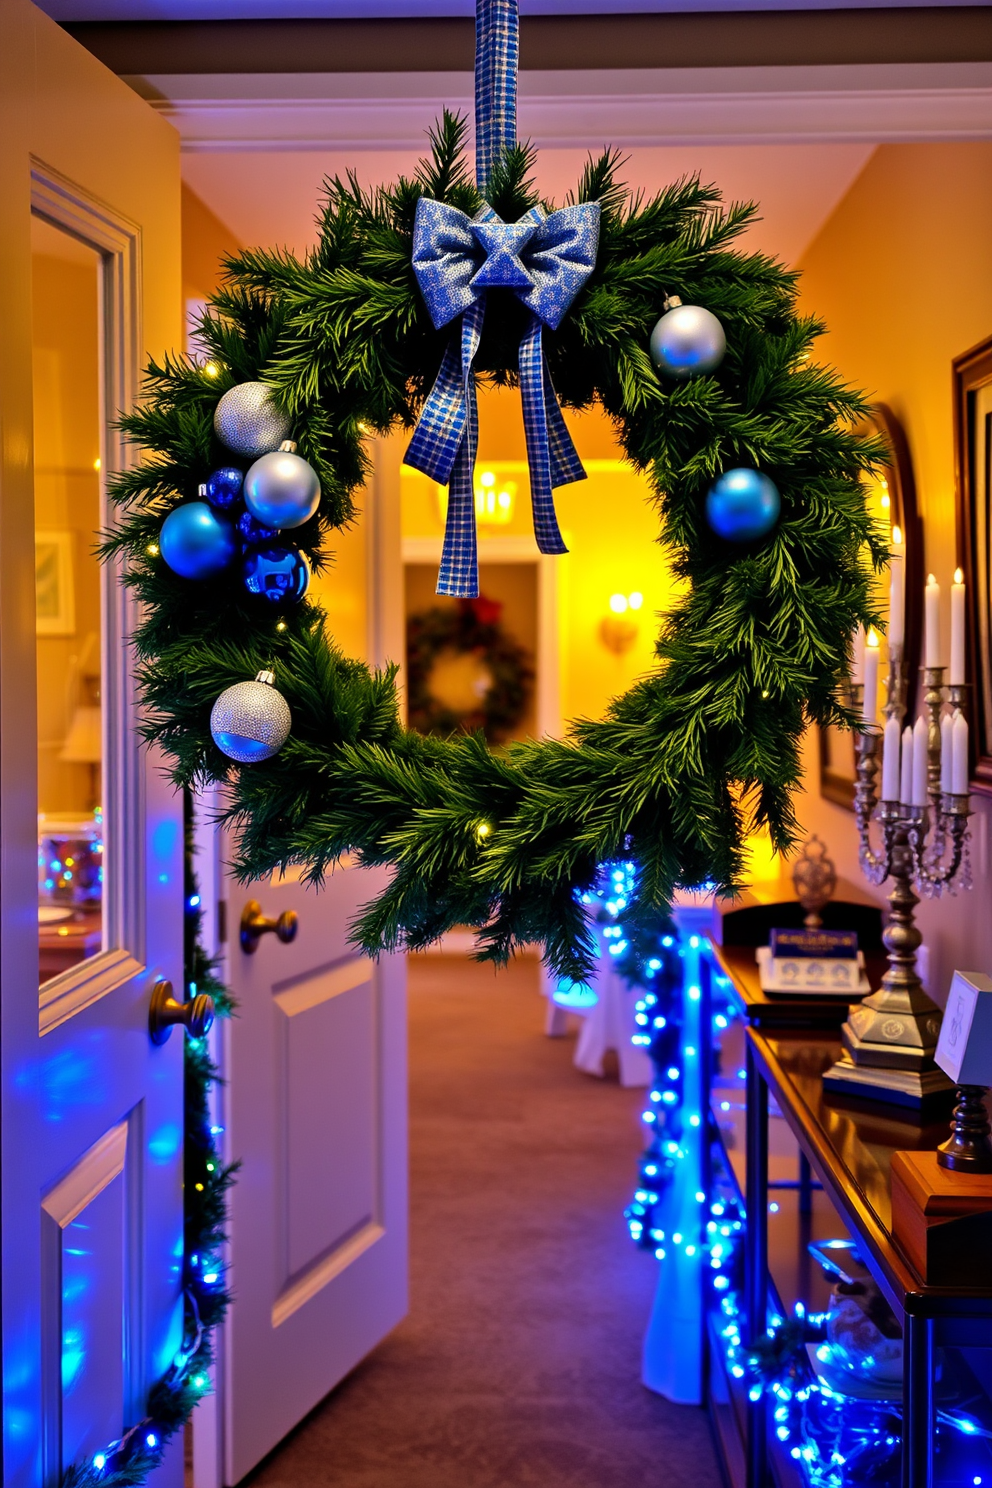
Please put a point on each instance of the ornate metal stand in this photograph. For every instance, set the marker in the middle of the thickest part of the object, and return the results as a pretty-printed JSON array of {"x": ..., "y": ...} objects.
[{"x": 890, "y": 1037}]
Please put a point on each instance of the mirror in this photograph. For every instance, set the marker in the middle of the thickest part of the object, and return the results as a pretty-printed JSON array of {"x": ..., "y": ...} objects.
[
  {"x": 973, "y": 459},
  {"x": 892, "y": 501}
]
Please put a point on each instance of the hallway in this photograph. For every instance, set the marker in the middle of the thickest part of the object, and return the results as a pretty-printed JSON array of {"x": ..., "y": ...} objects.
[{"x": 518, "y": 1365}]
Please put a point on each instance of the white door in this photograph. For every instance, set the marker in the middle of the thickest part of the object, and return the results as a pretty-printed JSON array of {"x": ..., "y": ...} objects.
[
  {"x": 91, "y": 1110},
  {"x": 315, "y": 1110}
]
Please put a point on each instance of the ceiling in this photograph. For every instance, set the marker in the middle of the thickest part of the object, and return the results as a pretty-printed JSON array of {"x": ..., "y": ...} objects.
[
  {"x": 270, "y": 197},
  {"x": 231, "y": 10}
]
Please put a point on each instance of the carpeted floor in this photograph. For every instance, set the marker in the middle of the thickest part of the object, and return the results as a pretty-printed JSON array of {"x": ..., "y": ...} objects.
[{"x": 518, "y": 1364}]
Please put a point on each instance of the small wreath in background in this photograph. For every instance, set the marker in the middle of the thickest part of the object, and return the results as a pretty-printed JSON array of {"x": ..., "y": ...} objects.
[{"x": 472, "y": 627}]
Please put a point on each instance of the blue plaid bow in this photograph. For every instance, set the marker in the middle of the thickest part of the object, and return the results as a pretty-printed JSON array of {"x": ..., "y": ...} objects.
[{"x": 544, "y": 260}]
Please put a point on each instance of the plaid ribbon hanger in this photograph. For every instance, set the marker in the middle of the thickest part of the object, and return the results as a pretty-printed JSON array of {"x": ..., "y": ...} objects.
[{"x": 544, "y": 259}]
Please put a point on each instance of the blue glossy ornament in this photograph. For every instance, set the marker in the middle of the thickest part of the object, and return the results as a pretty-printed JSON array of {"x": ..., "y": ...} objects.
[
  {"x": 743, "y": 505},
  {"x": 279, "y": 574},
  {"x": 195, "y": 542},
  {"x": 281, "y": 489},
  {"x": 224, "y": 487},
  {"x": 253, "y": 532},
  {"x": 687, "y": 341}
]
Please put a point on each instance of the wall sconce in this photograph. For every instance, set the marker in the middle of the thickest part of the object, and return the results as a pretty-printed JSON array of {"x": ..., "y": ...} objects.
[
  {"x": 618, "y": 630},
  {"x": 495, "y": 500}
]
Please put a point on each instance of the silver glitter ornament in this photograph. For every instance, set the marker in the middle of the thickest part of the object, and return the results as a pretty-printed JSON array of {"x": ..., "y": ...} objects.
[
  {"x": 281, "y": 489},
  {"x": 687, "y": 340},
  {"x": 248, "y": 421},
  {"x": 251, "y": 720}
]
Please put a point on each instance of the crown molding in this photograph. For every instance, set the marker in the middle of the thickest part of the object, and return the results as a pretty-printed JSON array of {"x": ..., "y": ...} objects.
[{"x": 636, "y": 108}]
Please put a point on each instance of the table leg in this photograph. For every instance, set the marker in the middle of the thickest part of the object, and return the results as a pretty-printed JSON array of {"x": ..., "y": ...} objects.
[
  {"x": 805, "y": 1185},
  {"x": 917, "y": 1403},
  {"x": 756, "y": 1257}
]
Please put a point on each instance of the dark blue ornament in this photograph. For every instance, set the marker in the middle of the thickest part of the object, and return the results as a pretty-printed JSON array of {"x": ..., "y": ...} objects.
[
  {"x": 252, "y": 531},
  {"x": 195, "y": 542},
  {"x": 224, "y": 487},
  {"x": 276, "y": 573},
  {"x": 743, "y": 505}
]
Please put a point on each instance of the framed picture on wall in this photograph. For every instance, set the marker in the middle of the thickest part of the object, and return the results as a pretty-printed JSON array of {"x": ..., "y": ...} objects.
[
  {"x": 55, "y": 601},
  {"x": 892, "y": 502},
  {"x": 973, "y": 472}
]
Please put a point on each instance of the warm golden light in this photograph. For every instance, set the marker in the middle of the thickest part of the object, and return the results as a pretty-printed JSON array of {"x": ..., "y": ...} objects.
[
  {"x": 958, "y": 576},
  {"x": 872, "y": 639},
  {"x": 897, "y": 536},
  {"x": 153, "y": 549},
  {"x": 97, "y": 463},
  {"x": 211, "y": 369},
  {"x": 618, "y": 604}
]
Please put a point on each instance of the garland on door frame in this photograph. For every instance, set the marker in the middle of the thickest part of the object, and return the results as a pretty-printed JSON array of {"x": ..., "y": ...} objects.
[
  {"x": 206, "y": 1179},
  {"x": 752, "y": 460}
]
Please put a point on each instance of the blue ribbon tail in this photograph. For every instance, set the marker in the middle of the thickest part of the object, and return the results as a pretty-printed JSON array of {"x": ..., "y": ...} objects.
[
  {"x": 454, "y": 454},
  {"x": 551, "y": 454}
]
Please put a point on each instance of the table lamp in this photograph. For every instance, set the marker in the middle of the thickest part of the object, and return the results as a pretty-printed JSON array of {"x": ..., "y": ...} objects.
[{"x": 964, "y": 1052}]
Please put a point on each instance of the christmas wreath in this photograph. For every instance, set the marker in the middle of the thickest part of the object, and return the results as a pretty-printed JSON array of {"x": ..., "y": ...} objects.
[
  {"x": 694, "y": 349},
  {"x": 506, "y": 674}
]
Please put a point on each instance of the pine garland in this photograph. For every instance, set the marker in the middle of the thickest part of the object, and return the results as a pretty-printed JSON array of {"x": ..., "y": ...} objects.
[{"x": 687, "y": 762}]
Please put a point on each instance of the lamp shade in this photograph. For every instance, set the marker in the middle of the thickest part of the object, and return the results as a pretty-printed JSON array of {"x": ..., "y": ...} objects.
[
  {"x": 84, "y": 741},
  {"x": 964, "y": 1049}
]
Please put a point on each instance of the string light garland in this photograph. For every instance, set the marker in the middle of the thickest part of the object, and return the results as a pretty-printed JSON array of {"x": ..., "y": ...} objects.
[
  {"x": 834, "y": 1439},
  {"x": 206, "y": 1179}
]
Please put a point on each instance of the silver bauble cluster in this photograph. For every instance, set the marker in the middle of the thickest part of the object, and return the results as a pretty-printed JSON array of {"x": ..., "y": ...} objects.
[
  {"x": 251, "y": 721},
  {"x": 248, "y": 420}
]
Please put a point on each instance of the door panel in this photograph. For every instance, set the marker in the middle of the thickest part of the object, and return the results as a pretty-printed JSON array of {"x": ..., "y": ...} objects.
[
  {"x": 92, "y": 1112},
  {"x": 316, "y": 1111}
]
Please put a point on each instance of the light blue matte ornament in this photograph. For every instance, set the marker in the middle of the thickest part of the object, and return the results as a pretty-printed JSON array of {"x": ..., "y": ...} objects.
[
  {"x": 688, "y": 341},
  {"x": 281, "y": 490},
  {"x": 195, "y": 542},
  {"x": 279, "y": 574},
  {"x": 743, "y": 505}
]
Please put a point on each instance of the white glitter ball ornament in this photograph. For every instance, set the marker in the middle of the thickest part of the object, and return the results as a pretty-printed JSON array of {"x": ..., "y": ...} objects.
[
  {"x": 251, "y": 720},
  {"x": 248, "y": 421}
]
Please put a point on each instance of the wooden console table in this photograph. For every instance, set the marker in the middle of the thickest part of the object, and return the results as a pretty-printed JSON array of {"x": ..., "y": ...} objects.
[{"x": 847, "y": 1147}]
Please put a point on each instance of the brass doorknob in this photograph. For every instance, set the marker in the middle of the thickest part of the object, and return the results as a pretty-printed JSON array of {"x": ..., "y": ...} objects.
[
  {"x": 164, "y": 1012},
  {"x": 254, "y": 925}
]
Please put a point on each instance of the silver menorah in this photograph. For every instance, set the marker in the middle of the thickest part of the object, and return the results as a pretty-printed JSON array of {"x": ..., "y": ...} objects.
[{"x": 890, "y": 1037}]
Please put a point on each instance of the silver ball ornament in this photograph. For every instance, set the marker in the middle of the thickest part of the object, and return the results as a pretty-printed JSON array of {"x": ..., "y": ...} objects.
[
  {"x": 687, "y": 341},
  {"x": 281, "y": 490},
  {"x": 248, "y": 421},
  {"x": 251, "y": 720}
]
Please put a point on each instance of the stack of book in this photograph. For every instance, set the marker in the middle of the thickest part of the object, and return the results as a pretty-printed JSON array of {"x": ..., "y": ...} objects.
[{"x": 812, "y": 963}]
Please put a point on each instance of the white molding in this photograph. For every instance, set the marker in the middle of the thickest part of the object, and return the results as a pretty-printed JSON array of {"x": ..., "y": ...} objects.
[
  {"x": 80, "y": 986},
  {"x": 853, "y": 104}
]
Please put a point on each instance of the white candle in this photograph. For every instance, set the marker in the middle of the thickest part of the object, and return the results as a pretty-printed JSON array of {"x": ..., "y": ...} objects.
[
  {"x": 906, "y": 773},
  {"x": 920, "y": 762},
  {"x": 932, "y": 655},
  {"x": 959, "y": 771},
  {"x": 897, "y": 593},
  {"x": 869, "y": 708},
  {"x": 956, "y": 677},
  {"x": 858, "y": 659},
  {"x": 946, "y": 752},
  {"x": 890, "y": 761}
]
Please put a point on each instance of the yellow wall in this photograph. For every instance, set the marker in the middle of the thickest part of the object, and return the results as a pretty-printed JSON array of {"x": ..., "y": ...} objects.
[
  {"x": 901, "y": 273},
  {"x": 610, "y": 528}
]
